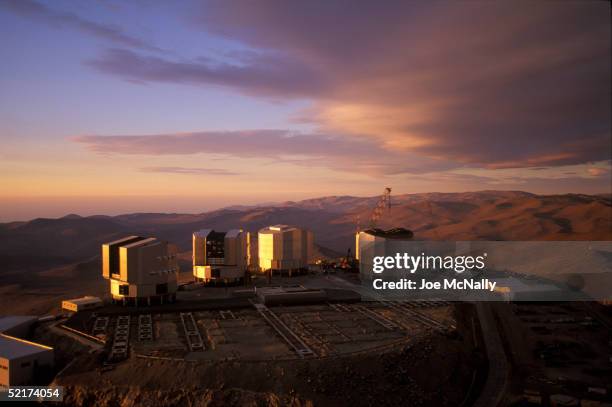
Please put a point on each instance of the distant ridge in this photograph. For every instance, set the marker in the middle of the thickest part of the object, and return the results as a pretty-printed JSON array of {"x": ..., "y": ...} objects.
[
  {"x": 482, "y": 215},
  {"x": 72, "y": 216}
]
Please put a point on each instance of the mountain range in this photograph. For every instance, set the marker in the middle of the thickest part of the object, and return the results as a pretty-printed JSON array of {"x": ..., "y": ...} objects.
[{"x": 484, "y": 215}]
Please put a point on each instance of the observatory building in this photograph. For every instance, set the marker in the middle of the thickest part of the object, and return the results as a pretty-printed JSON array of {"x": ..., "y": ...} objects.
[
  {"x": 284, "y": 248},
  {"x": 220, "y": 257},
  {"x": 140, "y": 269},
  {"x": 377, "y": 242}
]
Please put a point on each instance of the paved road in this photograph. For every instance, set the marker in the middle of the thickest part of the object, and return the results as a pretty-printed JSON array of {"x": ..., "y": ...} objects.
[{"x": 499, "y": 368}]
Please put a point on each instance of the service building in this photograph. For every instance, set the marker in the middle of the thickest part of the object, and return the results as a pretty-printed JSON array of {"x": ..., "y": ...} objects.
[
  {"x": 21, "y": 361},
  {"x": 81, "y": 304}
]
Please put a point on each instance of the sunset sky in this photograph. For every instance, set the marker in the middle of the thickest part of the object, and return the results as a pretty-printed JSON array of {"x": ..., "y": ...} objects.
[{"x": 110, "y": 107}]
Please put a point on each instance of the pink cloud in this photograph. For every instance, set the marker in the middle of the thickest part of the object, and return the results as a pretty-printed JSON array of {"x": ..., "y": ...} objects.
[
  {"x": 598, "y": 171},
  {"x": 339, "y": 153}
]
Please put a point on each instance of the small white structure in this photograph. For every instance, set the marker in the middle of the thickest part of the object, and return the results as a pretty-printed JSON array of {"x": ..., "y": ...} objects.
[
  {"x": 80, "y": 304},
  {"x": 514, "y": 289}
]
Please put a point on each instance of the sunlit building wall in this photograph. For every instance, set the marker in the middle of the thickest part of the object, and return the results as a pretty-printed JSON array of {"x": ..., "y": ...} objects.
[
  {"x": 283, "y": 247},
  {"x": 376, "y": 242},
  {"x": 140, "y": 268},
  {"x": 220, "y": 256}
]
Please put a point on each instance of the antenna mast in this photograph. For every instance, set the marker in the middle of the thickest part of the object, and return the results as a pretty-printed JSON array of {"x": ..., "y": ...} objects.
[{"x": 383, "y": 203}]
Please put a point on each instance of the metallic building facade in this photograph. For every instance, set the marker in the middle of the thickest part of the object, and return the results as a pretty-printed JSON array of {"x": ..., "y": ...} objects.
[
  {"x": 140, "y": 268},
  {"x": 376, "y": 242},
  {"x": 220, "y": 256},
  {"x": 284, "y": 248}
]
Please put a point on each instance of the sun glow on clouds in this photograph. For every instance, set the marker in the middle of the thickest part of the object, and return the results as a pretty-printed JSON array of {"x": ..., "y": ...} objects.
[
  {"x": 436, "y": 87},
  {"x": 375, "y": 121}
]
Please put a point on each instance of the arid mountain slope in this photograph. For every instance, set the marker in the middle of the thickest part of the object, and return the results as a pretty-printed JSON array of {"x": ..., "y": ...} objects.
[{"x": 485, "y": 215}]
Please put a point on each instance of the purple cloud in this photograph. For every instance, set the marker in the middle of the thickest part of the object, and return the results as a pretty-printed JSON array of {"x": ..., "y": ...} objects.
[
  {"x": 266, "y": 74},
  {"x": 39, "y": 12},
  {"x": 247, "y": 143},
  {"x": 341, "y": 153},
  {"x": 479, "y": 84}
]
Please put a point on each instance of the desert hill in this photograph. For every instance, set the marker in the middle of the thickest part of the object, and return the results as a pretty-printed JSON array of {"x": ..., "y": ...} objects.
[{"x": 485, "y": 215}]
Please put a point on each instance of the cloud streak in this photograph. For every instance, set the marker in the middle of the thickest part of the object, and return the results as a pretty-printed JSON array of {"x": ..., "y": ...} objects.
[
  {"x": 338, "y": 153},
  {"x": 36, "y": 11},
  {"x": 260, "y": 74},
  {"x": 190, "y": 171}
]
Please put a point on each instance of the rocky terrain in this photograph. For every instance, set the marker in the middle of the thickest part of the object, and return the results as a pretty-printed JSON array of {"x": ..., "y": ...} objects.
[{"x": 406, "y": 376}]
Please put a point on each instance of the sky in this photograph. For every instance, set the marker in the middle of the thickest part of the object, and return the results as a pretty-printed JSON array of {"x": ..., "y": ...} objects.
[{"x": 111, "y": 107}]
